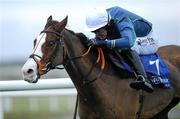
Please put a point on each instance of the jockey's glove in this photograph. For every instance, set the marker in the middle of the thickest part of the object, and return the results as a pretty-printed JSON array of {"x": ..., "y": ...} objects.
[
  {"x": 101, "y": 43},
  {"x": 90, "y": 42},
  {"x": 97, "y": 43}
]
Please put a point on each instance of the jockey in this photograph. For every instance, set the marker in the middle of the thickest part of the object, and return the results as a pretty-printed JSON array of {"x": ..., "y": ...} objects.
[{"x": 117, "y": 28}]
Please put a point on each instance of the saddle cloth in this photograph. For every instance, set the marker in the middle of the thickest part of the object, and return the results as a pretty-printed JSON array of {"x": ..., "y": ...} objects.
[{"x": 155, "y": 68}]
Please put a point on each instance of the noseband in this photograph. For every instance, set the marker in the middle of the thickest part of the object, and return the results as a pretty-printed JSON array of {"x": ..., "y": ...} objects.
[{"x": 45, "y": 66}]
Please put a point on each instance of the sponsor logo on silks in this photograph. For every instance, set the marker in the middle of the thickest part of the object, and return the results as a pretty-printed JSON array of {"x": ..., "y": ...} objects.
[{"x": 145, "y": 41}]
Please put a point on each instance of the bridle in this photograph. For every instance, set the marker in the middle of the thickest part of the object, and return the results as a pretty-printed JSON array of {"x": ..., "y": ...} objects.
[{"x": 45, "y": 66}]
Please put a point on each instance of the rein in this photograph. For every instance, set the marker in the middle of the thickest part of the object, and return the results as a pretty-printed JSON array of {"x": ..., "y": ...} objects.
[
  {"x": 86, "y": 82},
  {"x": 99, "y": 58},
  {"x": 102, "y": 65}
]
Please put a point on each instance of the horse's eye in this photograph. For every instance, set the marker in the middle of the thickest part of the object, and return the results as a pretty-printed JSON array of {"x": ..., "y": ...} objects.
[{"x": 50, "y": 43}]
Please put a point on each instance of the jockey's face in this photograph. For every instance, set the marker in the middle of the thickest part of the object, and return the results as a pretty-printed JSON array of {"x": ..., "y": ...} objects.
[{"x": 101, "y": 33}]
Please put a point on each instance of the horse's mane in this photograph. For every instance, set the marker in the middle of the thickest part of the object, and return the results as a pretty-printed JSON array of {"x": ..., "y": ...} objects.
[{"x": 82, "y": 37}]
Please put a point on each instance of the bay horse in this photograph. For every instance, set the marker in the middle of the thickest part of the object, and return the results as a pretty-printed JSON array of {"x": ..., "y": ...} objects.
[{"x": 103, "y": 93}]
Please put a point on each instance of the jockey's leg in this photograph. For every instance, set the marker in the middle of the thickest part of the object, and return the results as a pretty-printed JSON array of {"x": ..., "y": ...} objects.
[{"x": 142, "y": 81}]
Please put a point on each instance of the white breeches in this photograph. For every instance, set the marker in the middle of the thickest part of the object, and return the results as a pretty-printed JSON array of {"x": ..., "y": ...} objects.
[{"x": 146, "y": 45}]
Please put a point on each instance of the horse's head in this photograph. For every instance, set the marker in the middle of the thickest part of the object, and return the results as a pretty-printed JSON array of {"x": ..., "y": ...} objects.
[{"x": 44, "y": 55}]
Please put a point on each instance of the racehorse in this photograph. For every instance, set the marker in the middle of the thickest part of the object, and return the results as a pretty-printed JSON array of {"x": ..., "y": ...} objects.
[{"x": 103, "y": 93}]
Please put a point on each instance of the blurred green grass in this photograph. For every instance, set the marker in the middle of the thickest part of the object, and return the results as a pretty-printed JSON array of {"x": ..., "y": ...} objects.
[{"x": 21, "y": 108}]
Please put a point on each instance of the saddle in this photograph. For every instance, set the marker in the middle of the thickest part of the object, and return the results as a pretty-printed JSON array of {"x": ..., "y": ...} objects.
[{"x": 156, "y": 69}]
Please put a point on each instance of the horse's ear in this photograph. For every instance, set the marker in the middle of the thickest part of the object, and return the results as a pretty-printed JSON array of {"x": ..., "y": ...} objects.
[
  {"x": 49, "y": 18},
  {"x": 61, "y": 25}
]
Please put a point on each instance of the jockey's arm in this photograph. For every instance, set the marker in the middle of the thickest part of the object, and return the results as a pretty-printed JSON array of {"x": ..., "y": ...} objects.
[{"x": 128, "y": 36}]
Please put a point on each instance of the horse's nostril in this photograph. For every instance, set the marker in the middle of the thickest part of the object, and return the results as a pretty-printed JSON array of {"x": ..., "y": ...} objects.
[{"x": 30, "y": 71}]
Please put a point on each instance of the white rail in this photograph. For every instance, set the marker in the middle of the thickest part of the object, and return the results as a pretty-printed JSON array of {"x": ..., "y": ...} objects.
[
  {"x": 19, "y": 85},
  {"x": 44, "y": 87}
]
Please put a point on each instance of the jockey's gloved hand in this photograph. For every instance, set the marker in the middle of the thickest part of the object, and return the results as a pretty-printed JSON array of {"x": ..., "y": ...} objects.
[
  {"x": 90, "y": 42},
  {"x": 97, "y": 43},
  {"x": 100, "y": 43}
]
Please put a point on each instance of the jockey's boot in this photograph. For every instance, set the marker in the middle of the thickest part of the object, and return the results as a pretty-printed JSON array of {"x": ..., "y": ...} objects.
[{"x": 142, "y": 81}]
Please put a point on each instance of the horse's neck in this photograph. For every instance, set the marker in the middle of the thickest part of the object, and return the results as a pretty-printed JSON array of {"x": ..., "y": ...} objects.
[{"x": 77, "y": 68}]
